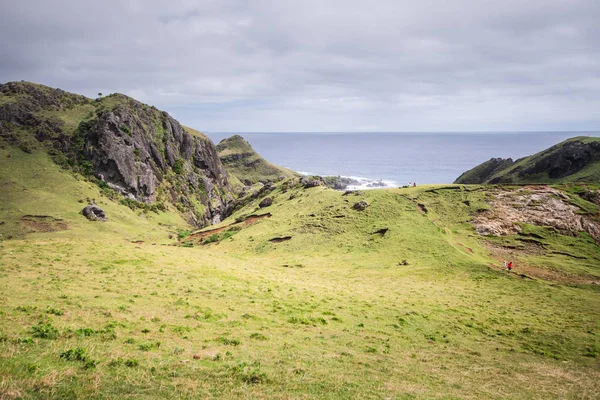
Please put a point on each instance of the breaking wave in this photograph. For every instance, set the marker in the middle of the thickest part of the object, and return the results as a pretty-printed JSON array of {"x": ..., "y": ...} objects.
[{"x": 361, "y": 183}]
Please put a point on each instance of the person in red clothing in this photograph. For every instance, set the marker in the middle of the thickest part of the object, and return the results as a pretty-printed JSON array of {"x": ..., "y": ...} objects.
[{"x": 509, "y": 266}]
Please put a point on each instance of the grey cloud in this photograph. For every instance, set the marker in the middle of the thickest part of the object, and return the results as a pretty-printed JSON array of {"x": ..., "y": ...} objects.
[{"x": 321, "y": 65}]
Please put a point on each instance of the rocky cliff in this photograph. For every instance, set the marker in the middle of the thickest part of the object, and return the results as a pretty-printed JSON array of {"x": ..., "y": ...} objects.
[
  {"x": 125, "y": 146},
  {"x": 574, "y": 160}
]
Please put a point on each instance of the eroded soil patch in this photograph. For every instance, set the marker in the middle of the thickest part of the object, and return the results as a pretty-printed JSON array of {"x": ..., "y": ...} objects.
[
  {"x": 535, "y": 205},
  {"x": 43, "y": 223},
  {"x": 280, "y": 239}
]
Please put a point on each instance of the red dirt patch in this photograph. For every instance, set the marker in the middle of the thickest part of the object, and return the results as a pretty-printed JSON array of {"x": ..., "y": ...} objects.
[
  {"x": 253, "y": 218},
  {"x": 203, "y": 234},
  {"x": 249, "y": 220}
]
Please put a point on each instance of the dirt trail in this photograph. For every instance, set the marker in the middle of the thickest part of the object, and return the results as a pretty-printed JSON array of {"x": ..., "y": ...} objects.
[{"x": 249, "y": 220}]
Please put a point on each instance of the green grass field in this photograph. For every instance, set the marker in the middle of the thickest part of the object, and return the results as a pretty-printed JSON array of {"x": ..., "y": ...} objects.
[{"x": 122, "y": 310}]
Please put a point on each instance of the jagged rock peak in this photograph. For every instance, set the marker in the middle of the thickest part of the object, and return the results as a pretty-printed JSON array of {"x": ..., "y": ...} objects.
[{"x": 135, "y": 149}]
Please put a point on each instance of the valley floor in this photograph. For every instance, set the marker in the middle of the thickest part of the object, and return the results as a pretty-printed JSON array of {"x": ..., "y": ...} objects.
[{"x": 159, "y": 321}]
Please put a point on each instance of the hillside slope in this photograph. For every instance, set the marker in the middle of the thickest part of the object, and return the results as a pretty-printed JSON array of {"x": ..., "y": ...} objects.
[
  {"x": 308, "y": 297},
  {"x": 243, "y": 162},
  {"x": 574, "y": 160},
  {"x": 137, "y": 151}
]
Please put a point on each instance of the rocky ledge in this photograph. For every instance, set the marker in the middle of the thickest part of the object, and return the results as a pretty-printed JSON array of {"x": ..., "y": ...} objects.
[{"x": 535, "y": 205}]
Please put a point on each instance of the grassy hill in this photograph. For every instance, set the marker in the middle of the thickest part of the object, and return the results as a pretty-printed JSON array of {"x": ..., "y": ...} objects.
[
  {"x": 574, "y": 160},
  {"x": 243, "y": 162},
  {"x": 341, "y": 309}
]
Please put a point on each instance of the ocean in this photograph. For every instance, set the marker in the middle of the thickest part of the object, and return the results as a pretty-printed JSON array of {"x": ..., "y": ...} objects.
[{"x": 394, "y": 158}]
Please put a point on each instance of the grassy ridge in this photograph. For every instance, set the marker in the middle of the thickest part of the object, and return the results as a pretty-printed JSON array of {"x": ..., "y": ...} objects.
[
  {"x": 337, "y": 311},
  {"x": 574, "y": 160},
  {"x": 242, "y": 162}
]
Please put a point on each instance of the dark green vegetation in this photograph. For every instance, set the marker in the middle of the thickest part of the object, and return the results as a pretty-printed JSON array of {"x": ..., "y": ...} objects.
[
  {"x": 574, "y": 160},
  {"x": 307, "y": 297},
  {"x": 247, "y": 165}
]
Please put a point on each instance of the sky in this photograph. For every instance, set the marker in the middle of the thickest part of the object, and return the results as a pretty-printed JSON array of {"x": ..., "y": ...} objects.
[{"x": 321, "y": 65}]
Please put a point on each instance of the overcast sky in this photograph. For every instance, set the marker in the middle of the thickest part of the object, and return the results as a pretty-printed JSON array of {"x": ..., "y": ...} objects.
[{"x": 322, "y": 65}]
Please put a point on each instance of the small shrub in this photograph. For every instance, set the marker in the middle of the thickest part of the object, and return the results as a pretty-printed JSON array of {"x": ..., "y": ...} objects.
[
  {"x": 250, "y": 373},
  {"x": 44, "y": 331},
  {"x": 131, "y": 363},
  {"x": 181, "y": 329},
  {"x": 211, "y": 239},
  {"x": 227, "y": 235},
  {"x": 148, "y": 346},
  {"x": 26, "y": 309},
  {"x": 125, "y": 129},
  {"x": 178, "y": 166},
  {"x": 85, "y": 332},
  {"x": 228, "y": 342},
  {"x": 25, "y": 340},
  {"x": 55, "y": 311},
  {"x": 258, "y": 336},
  {"x": 183, "y": 234},
  {"x": 592, "y": 351},
  {"x": 76, "y": 354},
  {"x": 31, "y": 368},
  {"x": 298, "y": 320}
]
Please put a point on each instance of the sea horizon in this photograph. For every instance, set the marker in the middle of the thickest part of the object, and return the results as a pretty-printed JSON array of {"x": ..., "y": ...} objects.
[{"x": 395, "y": 158}]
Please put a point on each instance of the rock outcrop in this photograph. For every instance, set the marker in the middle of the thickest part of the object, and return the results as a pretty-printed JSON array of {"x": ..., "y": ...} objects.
[
  {"x": 534, "y": 205},
  {"x": 94, "y": 213},
  {"x": 340, "y": 182},
  {"x": 266, "y": 202},
  {"x": 361, "y": 205},
  {"x": 129, "y": 147},
  {"x": 312, "y": 181},
  {"x": 134, "y": 149}
]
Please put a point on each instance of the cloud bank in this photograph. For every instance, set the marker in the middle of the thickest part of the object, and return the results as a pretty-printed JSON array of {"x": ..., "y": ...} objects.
[{"x": 328, "y": 65}]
